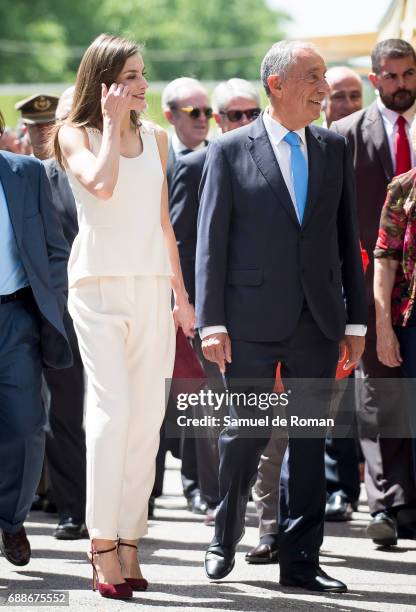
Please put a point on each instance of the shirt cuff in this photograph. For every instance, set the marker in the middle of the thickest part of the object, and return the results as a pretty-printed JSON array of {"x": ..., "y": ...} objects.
[
  {"x": 350, "y": 330},
  {"x": 355, "y": 330},
  {"x": 212, "y": 329}
]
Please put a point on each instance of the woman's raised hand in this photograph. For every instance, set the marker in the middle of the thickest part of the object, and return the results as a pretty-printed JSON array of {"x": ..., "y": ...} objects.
[{"x": 115, "y": 101}]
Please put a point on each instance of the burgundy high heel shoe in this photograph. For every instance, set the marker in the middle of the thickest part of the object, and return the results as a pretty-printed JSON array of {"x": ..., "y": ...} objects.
[
  {"x": 113, "y": 591},
  {"x": 137, "y": 584}
]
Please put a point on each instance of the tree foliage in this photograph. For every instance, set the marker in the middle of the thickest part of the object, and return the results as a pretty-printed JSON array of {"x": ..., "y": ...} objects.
[{"x": 41, "y": 40}]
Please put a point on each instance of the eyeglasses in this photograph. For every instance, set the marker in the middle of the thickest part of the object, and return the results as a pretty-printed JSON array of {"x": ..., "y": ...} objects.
[
  {"x": 195, "y": 113},
  {"x": 237, "y": 115}
]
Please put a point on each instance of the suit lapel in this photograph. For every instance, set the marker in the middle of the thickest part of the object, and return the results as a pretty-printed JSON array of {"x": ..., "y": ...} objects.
[
  {"x": 316, "y": 166},
  {"x": 14, "y": 188},
  {"x": 263, "y": 155},
  {"x": 374, "y": 126}
]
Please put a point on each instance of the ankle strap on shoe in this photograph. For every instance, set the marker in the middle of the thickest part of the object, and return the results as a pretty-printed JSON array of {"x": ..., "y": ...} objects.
[
  {"x": 101, "y": 552},
  {"x": 126, "y": 544}
]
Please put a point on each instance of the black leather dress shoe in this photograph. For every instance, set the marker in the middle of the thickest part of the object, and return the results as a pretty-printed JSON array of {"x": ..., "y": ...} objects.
[
  {"x": 383, "y": 529},
  {"x": 261, "y": 554},
  {"x": 338, "y": 508},
  {"x": 219, "y": 561},
  {"x": 319, "y": 581},
  {"x": 70, "y": 529},
  {"x": 15, "y": 547},
  {"x": 197, "y": 505}
]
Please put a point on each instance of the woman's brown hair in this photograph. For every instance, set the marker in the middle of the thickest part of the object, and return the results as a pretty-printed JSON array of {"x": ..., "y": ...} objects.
[
  {"x": 2, "y": 124},
  {"x": 102, "y": 62}
]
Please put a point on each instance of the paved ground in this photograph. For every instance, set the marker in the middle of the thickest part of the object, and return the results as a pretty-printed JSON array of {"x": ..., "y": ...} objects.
[{"x": 172, "y": 555}]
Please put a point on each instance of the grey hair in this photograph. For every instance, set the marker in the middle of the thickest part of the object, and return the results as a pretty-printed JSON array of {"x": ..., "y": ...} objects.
[
  {"x": 173, "y": 90},
  {"x": 65, "y": 103},
  {"x": 279, "y": 58},
  {"x": 233, "y": 88}
]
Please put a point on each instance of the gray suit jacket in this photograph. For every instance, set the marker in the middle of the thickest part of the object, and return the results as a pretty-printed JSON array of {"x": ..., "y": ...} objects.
[
  {"x": 373, "y": 166},
  {"x": 42, "y": 248}
]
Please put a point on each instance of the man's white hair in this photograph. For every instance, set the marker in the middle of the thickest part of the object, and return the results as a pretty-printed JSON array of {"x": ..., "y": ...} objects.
[
  {"x": 233, "y": 88},
  {"x": 65, "y": 103},
  {"x": 280, "y": 58},
  {"x": 177, "y": 88}
]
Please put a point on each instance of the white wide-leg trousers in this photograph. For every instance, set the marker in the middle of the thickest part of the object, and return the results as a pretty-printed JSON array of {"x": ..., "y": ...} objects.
[{"x": 126, "y": 337}]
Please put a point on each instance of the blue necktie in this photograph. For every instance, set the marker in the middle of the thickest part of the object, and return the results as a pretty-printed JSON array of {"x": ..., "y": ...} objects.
[{"x": 299, "y": 171}]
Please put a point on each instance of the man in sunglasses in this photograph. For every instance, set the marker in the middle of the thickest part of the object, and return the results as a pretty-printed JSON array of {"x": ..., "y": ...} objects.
[
  {"x": 235, "y": 103},
  {"x": 185, "y": 104}
]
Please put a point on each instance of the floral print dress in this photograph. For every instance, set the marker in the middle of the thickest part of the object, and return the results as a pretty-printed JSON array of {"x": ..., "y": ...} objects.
[{"x": 397, "y": 240}]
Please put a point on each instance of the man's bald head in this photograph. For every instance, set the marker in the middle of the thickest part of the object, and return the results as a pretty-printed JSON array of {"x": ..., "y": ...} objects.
[{"x": 346, "y": 93}]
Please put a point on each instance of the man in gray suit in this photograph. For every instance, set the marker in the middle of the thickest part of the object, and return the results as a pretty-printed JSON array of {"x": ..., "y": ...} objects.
[
  {"x": 378, "y": 137},
  {"x": 33, "y": 285}
]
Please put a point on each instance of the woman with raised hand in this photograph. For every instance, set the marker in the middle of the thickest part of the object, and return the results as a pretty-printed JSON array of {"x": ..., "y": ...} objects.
[{"x": 123, "y": 265}]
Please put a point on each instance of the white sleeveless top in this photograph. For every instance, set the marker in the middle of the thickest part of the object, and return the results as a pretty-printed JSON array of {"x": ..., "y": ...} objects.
[{"x": 121, "y": 236}]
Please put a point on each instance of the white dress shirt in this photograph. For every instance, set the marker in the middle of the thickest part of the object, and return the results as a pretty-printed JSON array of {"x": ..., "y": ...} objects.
[
  {"x": 276, "y": 132},
  {"x": 178, "y": 146},
  {"x": 282, "y": 151},
  {"x": 389, "y": 120}
]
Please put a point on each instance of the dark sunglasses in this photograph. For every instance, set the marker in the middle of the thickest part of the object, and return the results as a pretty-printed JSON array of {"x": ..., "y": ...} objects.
[
  {"x": 237, "y": 115},
  {"x": 195, "y": 113}
]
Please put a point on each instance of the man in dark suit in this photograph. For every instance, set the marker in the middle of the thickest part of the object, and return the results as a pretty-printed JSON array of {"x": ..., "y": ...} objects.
[
  {"x": 378, "y": 135},
  {"x": 65, "y": 438},
  {"x": 341, "y": 454},
  {"x": 341, "y": 461},
  {"x": 186, "y": 106},
  {"x": 277, "y": 243},
  {"x": 33, "y": 285},
  {"x": 235, "y": 103}
]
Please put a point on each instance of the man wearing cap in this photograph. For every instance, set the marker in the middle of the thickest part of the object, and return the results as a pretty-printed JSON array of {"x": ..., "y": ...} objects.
[
  {"x": 65, "y": 436},
  {"x": 38, "y": 115},
  {"x": 33, "y": 285}
]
